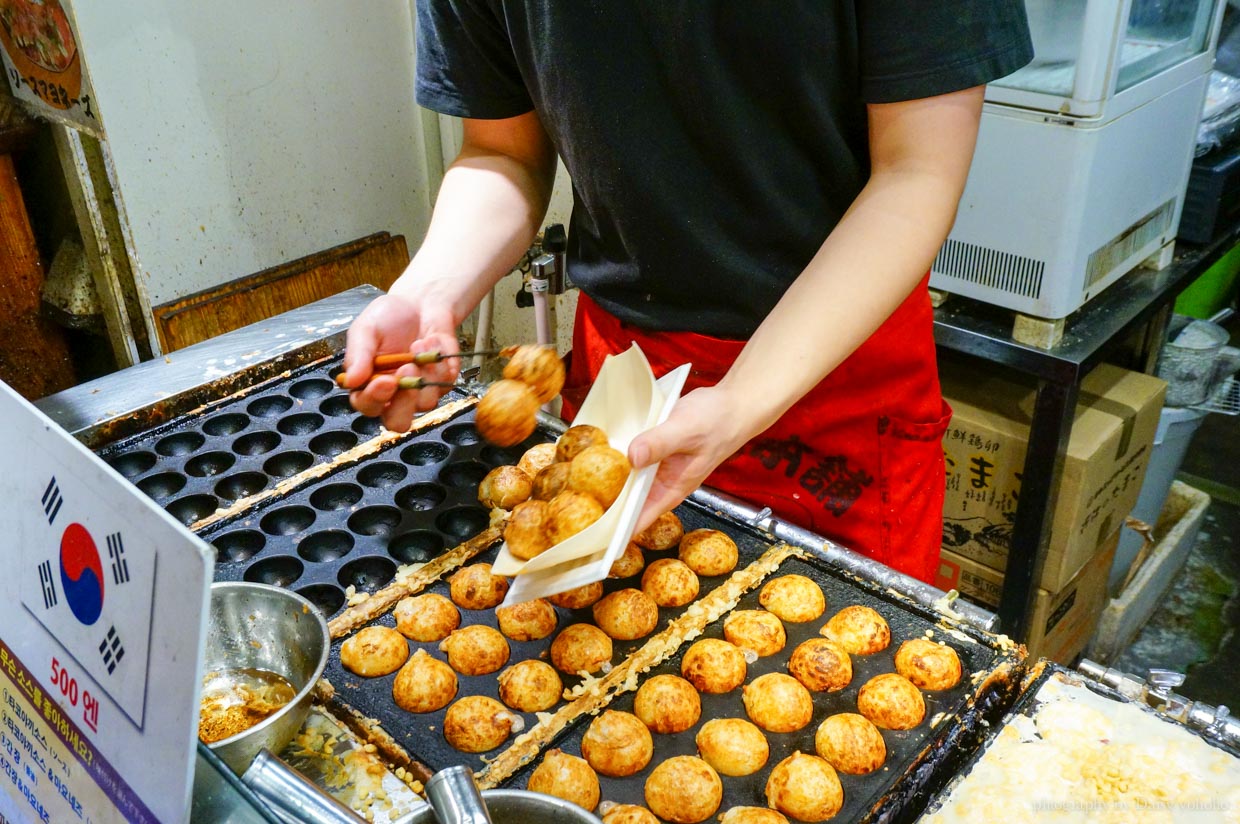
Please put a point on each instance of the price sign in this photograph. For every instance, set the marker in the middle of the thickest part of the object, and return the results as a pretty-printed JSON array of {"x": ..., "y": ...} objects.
[{"x": 43, "y": 64}]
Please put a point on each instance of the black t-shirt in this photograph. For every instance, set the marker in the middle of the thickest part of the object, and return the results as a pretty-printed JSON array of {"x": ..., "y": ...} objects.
[{"x": 713, "y": 144}]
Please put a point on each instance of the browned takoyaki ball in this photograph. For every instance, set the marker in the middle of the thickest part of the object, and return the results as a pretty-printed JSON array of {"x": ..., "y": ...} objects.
[
  {"x": 630, "y": 562},
  {"x": 891, "y": 702},
  {"x": 752, "y": 815},
  {"x": 424, "y": 684},
  {"x": 821, "y": 665},
  {"x": 617, "y": 744},
  {"x": 859, "y": 630},
  {"x": 530, "y": 686},
  {"x": 670, "y": 582},
  {"x": 733, "y": 746},
  {"x": 578, "y": 597},
  {"x": 793, "y": 598},
  {"x": 667, "y": 704},
  {"x": 713, "y": 666},
  {"x": 538, "y": 367},
  {"x": 627, "y": 614},
  {"x": 526, "y": 530},
  {"x": 374, "y": 651},
  {"x": 474, "y": 587},
  {"x": 477, "y": 724},
  {"x": 536, "y": 458},
  {"x": 527, "y": 621},
  {"x": 568, "y": 777},
  {"x": 851, "y": 744},
  {"x": 475, "y": 650},
  {"x": 507, "y": 413},
  {"x": 427, "y": 618},
  {"x": 664, "y": 533},
  {"x": 805, "y": 787},
  {"x": 504, "y": 487},
  {"x": 928, "y": 665},
  {"x": 580, "y": 648},
  {"x": 778, "y": 702},
  {"x": 755, "y": 629},
  {"x": 684, "y": 790},
  {"x": 600, "y": 472},
  {"x": 628, "y": 814},
  {"x": 550, "y": 481},
  {"x": 577, "y": 439},
  {"x": 569, "y": 513},
  {"x": 708, "y": 552}
]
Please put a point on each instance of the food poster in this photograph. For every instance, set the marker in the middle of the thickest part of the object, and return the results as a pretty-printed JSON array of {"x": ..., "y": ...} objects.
[{"x": 43, "y": 62}]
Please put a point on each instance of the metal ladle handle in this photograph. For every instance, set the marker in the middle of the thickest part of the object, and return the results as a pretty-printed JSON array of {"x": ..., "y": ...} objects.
[
  {"x": 454, "y": 797},
  {"x": 292, "y": 796}
]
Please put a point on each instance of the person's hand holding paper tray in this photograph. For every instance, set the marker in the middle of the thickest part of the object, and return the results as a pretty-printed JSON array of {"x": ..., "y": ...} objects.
[{"x": 625, "y": 401}]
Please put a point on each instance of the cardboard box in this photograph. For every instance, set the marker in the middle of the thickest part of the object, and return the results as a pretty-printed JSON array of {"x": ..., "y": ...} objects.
[
  {"x": 1063, "y": 622},
  {"x": 1108, "y": 451}
]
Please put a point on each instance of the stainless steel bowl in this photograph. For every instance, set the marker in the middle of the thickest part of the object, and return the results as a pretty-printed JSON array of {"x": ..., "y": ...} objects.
[{"x": 256, "y": 626}]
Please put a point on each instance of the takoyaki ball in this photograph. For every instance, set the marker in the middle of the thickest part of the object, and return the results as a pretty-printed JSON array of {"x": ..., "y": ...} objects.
[
  {"x": 752, "y": 815},
  {"x": 928, "y": 665},
  {"x": 527, "y": 621},
  {"x": 793, "y": 598},
  {"x": 630, "y": 562},
  {"x": 538, "y": 367},
  {"x": 374, "y": 651},
  {"x": 550, "y": 481},
  {"x": 477, "y": 724},
  {"x": 892, "y": 702},
  {"x": 805, "y": 787},
  {"x": 507, "y": 413},
  {"x": 530, "y": 686},
  {"x": 504, "y": 487},
  {"x": 684, "y": 789},
  {"x": 427, "y": 618},
  {"x": 578, "y": 597},
  {"x": 474, "y": 587},
  {"x": 664, "y": 533},
  {"x": 569, "y": 513},
  {"x": 600, "y": 472},
  {"x": 778, "y": 702},
  {"x": 670, "y": 583},
  {"x": 617, "y": 744},
  {"x": 536, "y": 458},
  {"x": 859, "y": 630},
  {"x": 627, "y": 614},
  {"x": 821, "y": 665},
  {"x": 667, "y": 704},
  {"x": 580, "y": 648},
  {"x": 475, "y": 650},
  {"x": 713, "y": 666},
  {"x": 526, "y": 530},
  {"x": 755, "y": 629},
  {"x": 577, "y": 439},
  {"x": 568, "y": 777},
  {"x": 733, "y": 746},
  {"x": 708, "y": 552},
  {"x": 628, "y": 814},
  {"x": 424, "y": 684},
  {"x": 851, "y": 744}
]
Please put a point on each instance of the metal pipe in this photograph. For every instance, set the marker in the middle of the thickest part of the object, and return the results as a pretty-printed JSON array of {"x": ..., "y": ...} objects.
[
  {"x": 482, "y": 338},
  {"x": 454, "y": 796},
  {"x": 291, "y": 796}
]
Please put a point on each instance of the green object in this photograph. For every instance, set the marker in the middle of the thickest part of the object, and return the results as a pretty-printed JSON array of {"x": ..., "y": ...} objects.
[{"x": 1213, "y": 290}]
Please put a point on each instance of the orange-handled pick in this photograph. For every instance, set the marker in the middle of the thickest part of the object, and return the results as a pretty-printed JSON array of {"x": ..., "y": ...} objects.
[{"x": 395, "y": 360}]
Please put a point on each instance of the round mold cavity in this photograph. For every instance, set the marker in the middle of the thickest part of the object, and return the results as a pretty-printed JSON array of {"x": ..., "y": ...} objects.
[
  {"x": 325, "y": 546},
  {"x": 269, "y": 407},
  {"x": 420, "y": 497},
  {"x": 182, "y": 443},
  {"x": 368, "y": 573},
  {"x": 241, "y": 545},
  {"x": 382, "y": 475},
  {"x": 227, "y": 424},
  {"x": 335, "y": 496},
  {"x": 366, "y": 427},
  {"x": 464, "y": 474},
  {"x": 494, "y": 456},
  {"x": 256, "y": 443},
  {"x": 192, "y": 508},
  {"x": 375, "y": 520},
  {"x": 462, "y": 522},
  {"x": 331, "y": 444},
  {"x": 425, "y": 453},
  {"x": 279, "y": 571},
  {"x": 210, "y": 463},
  {"x": 336, "y": 406},
  {"x": 303, "y": 423},
  {"x": 311, "y": 388},
  {"x": 327, "y": 597},
  {"x": 334, "y": 371},
  {"x": 416, "y": 547},
  {"x": 163, "y": 485},
  {"x": 462, "y": 434},
  {"x": 241, "y": 485},
  {"x": 133, "y": 464},
  {"x": 287, "y": 464},
  {"x": 287, "y": 520}
]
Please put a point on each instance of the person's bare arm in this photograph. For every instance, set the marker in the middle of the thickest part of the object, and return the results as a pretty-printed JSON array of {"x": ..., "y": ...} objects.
[{"x": 920, "y": 155}]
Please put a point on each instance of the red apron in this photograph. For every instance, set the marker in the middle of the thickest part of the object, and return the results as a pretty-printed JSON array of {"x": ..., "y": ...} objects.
[{"x": 858, "y": 460}]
